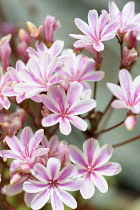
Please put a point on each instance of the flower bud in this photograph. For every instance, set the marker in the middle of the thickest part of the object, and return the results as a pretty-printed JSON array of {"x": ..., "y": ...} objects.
[
  {"x": 15, "y": 178},
  {"x": 63, "y": 153},
  {"x": 130, "y": 122},
  {"x": 21, "y": 48},
  {"x": 24, "y": 36},
  {"x": 131, "y": 40},
  {"x": 129, "y": 56},
  {"x": 50, "y": 26},
  {"x": 34, "y": 32},
  {"x": 5, "y": 50}
]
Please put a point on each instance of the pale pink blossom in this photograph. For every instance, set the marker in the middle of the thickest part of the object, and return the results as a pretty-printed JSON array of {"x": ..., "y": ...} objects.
[
  {"x": 65, "y": 107},
  {"x": 80, "y": 68},
  {"x": 50, "y": 26},
  {"x": 24, "y": 151},
  {"x": 96, "y": 31},
  {"x": 16, "y": 78},
  {"x": 38, "y": 76},
  {"x": 127, "y": 19},
  {"x": 92, "y": 165},
  {"x": 128, "y": 93},
  {"x": 53, "y": 184}
]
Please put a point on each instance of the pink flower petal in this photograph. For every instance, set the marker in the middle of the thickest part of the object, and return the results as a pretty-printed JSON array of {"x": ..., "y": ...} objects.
[
  {"x": 92, "y": 19},
  {"x": 74, "y": 93},
  {"x": 90, "y": 147},
  {"x": 78, "y": 122},
  {"x": 99, "y": 182},
  {"x": 15, "y": 145},
  {"x": 40, "y": 199},
  {"x": 113, "y": 9},
  {"x": 66, "y": 172},
  {"x": 82, "y": 26},
  {"x": 28, "y": 197},
  {"x": 64, "y": 126},
  {"x": 34, "y": 186},
  {"x": 56, "y": 48},
  {"x": 26, "y": 136},
  {"x": 72, "y": 185},
  {"x": 118, "y": 104},
  {"x": 109, "y": 169},
  {"x": 104, "y": 155},
  {"x": 56, "y": 202},
  {"x": 98, "y": 46},
  {"x": 77, "y": 156},
  {"x": 50, "y": 120},
  {"x": 10, "y": 154},
  {"x": 40, "y": 172},
  {"x": 88, "y": 189},
  {"x": 66, "y": 198},
  {"x": 35, "y": 140},
  {"x": 50, "y": 103},
  {"x": 53, "y": 167}
]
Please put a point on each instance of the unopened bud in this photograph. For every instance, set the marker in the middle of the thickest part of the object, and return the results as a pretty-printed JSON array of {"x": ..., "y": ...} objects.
[
  {"x": 130, "y": 122},
  {"x": 45, "y": 111},
  {"x": 131, "y": 39},
  {"x": 24, "y": 36},
  {"x": 63, "y": 153},
  {"x": 25, "y": 168},
  {"x": 15, "y": 178},
  {"x": 34, "y": 32},
  {"x": 129, "y": 56}
]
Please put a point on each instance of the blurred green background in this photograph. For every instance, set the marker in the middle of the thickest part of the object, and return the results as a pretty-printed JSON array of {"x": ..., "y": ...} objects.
[{"x": 124, "y": 189}]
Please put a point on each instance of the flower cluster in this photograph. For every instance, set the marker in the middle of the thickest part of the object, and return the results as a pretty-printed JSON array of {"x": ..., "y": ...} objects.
[{"x": 48, "y": 171}]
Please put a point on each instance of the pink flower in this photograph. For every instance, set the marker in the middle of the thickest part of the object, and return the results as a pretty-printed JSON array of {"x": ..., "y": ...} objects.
[
  {"x": 93, "y": 164},
  {"x": 24, "y": 151},
  {"x": 14, "y": 73},
  {"x": 50, "y": 26},
  {"x": 5, "y": 82},
  {"x": 53, "y": 184},
  {"x": 96, "y": 32},
  {"x": 38, "y": 76},
  {"x": 127, "y": 19},
  {"x": 65, "y": 107},
  {"x": 128, "y": 92},
  {"x": 80, "y": 68}
]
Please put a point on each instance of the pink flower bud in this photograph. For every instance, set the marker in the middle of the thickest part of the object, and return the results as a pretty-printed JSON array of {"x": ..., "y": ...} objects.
[
  {"x": 21, "y": 48},
  {"x": 15, "y": 178},
  {"x": 45, "y": 111},
  {"x": 131, "y": 39},
  {"x": 130, "y": 122},
  {"x": 50, "y": 26},
  {"x": 64, "y": 82},
  {"x": 63, "y": 153},
  {"x": 129, "y": 56},
  {"x": 25, "y": 168},
  {"x": 5, "y": 50},
  {"x": 34, "y": 32},
  {"x": 24, "y": 36},
  {"x": 7, "y": 28}
]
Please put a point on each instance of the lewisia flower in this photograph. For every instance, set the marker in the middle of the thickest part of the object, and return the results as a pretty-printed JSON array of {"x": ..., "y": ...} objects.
[
  {"x": 80, "y": 68},
  {"x": 16, "y": 78},
  {"x": 96, "y": 32},
  {"x": 128, "y": 93},
  {"x": 38, "y": 76},
  {"x": 65, "y": 107},
  {"x": 24, "y": 151},
  {"x": 127, "y": 19},
  {"x": 92, "y": 165},
  {"x": 5, "y": 50},
  {"x": 53, "y": 184}
]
